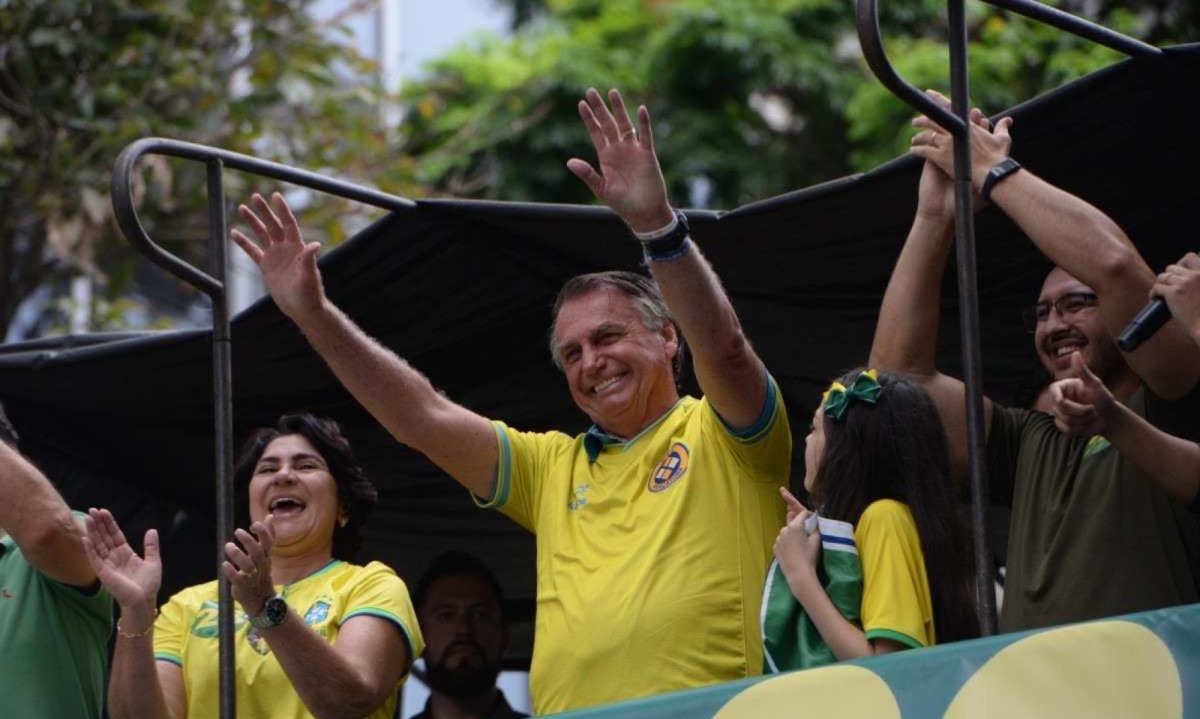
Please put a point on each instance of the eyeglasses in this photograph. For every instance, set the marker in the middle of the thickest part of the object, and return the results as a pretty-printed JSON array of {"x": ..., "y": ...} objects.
[{"x": 1066, "y": 306}]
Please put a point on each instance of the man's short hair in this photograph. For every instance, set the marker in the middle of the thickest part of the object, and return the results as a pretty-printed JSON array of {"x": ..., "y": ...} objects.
[
  {"x": 8, "y": 433},
  {"x": 455, "y": 563},
  {"x": 644, "y": 293}
]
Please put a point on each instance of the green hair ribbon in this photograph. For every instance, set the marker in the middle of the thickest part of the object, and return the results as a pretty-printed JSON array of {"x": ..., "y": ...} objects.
[{"x": 864, "y": 388}]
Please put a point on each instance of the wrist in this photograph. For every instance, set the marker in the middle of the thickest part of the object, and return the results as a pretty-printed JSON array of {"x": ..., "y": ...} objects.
[
  {"x": 136, "y": 623},
  {"x": 1116, "y": 420},
  {"x": 138, "y": 608},
  {"x": 666, "y": 243},
  {"x": 996, "y": 174},
  {"x": 800, "y": 576},
  {"x": 651, "y": 221},
  {"x": 980, "y": 170},
  {"x": 802, "y": 589},
  {"x": 934, "y": 220},
  {"x": 273, "y": 611}
]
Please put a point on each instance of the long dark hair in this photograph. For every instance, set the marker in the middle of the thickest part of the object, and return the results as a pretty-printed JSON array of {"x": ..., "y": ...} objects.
[
  {"x": 896, "y": 449},
  {"x": 356, "y": 494}
]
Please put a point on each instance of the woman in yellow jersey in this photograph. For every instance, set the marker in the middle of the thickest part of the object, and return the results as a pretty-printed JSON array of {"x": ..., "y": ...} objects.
[
  {"x": 876, "y": 457},
  {"x": 315, "y": 636}
]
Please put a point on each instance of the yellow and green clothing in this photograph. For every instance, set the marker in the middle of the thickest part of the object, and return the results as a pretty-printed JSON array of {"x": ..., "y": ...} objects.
[
  {"x": 185, "y": 633},
  {"x": 896, "y": 602},
  {"x": 651, "y": 551},
  {"x": 874, "y": 573},
  {"x": 53, "y": 642},
  {"x": 790, "y": 638}
]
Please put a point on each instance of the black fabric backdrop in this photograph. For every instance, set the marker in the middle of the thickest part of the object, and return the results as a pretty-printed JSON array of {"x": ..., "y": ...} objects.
[{"x": 463, "y": 290}]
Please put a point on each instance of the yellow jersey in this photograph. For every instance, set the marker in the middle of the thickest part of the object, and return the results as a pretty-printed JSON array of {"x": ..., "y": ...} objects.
[
  {"x": 185, "y": 633},
  {"x": 651, "y": 552}
]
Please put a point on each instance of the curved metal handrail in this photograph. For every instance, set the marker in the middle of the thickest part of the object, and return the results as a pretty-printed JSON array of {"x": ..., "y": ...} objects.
[
  {"x": 216, "y": 160},
  {"x": 871, "y": 40},
  {"x": 131, "y": 226},
  {"x": 1085, "y": 29}
]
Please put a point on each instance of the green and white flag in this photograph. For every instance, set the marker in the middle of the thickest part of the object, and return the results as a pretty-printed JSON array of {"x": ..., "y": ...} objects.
[{"x": 790, "y": 639}]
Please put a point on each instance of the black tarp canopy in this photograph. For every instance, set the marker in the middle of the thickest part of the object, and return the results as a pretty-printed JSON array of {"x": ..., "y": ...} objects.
[{"x": 462, "y": 289}]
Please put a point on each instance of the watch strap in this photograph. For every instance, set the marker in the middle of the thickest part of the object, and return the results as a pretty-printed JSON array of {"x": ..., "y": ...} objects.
[
  {"x": 999, "y": 171},
  {"x": 670, "y": 245},
  {"x": 272, "y": 614}
]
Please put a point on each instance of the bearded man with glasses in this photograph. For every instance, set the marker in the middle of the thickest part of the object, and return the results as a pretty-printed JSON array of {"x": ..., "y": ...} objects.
[{"x": 1095, "y": 529}]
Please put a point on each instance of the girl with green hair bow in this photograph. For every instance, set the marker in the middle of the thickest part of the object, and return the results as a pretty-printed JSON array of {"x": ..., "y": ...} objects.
[{"x": 877, "y": 465}]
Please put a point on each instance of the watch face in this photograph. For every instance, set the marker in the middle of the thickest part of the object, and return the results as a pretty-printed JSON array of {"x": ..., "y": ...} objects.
[
  {"x": 272, "y": 614},
  {"x": 274, "y": 611}
]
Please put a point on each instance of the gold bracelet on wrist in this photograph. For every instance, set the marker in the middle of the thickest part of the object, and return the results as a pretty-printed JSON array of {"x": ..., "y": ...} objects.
[{"x": 135, "y": 635}]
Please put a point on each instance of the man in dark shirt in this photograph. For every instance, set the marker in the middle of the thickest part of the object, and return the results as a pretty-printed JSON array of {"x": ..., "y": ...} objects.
[
  {"x": 461, "y": 610},
  {"x": 1094, "y": 532}
]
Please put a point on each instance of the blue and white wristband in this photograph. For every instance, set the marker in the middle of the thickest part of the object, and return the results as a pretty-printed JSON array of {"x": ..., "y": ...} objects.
[{"x": 667, "y": 243}]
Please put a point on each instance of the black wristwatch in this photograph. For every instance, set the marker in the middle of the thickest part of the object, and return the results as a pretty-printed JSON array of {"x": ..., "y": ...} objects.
[
  {"x": 272, "y": 615},
  {"x": 999, "y": 171}
]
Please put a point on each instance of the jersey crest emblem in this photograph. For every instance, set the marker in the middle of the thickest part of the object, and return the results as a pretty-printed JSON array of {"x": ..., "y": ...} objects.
[
  {"x": 1095, "y": 445},
  {"x": 317, "y": 613},
  {"x": 671, "y": 469}
]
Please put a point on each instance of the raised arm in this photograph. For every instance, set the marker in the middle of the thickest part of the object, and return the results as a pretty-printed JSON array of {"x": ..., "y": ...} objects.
[
  {"x": 40, "y": 522},
  {"x": 906, "y": 334},
  {"x": 1085, "y": 407},
  {"x": 631, "y": 183},
  {"x": 350, "y": 677},
  {"x": 1084, "y": 242},
  {"x": 454, "y": 438}
]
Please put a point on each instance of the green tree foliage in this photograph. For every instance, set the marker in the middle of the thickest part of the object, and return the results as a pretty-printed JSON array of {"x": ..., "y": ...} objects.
[
  {"x": 752, "y": 98},
  {"x": 80, "y": 79}
]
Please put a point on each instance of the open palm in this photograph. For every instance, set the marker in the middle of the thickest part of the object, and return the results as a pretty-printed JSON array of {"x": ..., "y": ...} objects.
[
  {"x": 288, "y": 265},
  {"x": 128, "y": 577},
  {"x": 630, "y": 180}
]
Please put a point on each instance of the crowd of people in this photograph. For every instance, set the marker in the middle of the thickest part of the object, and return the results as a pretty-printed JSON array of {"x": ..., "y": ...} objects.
[{"x": 657, "y": 527}]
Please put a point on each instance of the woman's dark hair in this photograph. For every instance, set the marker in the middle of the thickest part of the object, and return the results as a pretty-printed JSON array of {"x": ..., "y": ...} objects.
[
  {"x": 897, "y": 449},
  {"x": 356, "y": 494}
]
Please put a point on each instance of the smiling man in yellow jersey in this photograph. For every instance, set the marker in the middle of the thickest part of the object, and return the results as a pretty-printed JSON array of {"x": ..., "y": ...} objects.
[{"x": 654, "y": 528}]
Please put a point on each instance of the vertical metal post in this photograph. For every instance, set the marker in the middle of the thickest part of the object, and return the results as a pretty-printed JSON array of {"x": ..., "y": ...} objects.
[
  {"x": 223, "y": 431},
  {"x": 216, "y": 287},
  {"x": 968, "y": 302}
]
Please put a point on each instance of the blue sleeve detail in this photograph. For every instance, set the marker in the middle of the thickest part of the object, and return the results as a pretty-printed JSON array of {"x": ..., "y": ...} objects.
[
  {"x": 766, "y": 417},
  {"x": 168, "y": 658},
  {"x": 502, "y": 480}
]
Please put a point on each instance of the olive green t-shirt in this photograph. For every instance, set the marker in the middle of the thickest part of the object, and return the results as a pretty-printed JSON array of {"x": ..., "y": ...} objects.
[{"x": 1090, "y": 536}]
